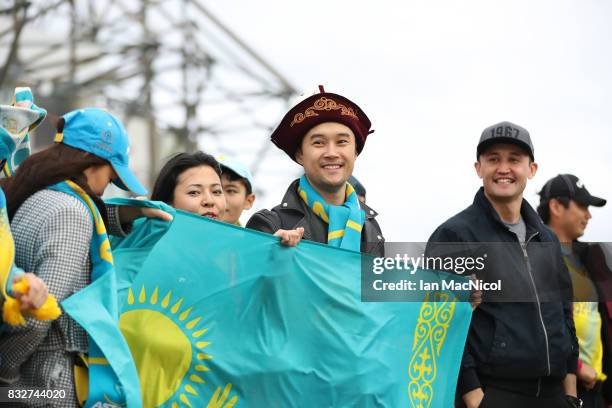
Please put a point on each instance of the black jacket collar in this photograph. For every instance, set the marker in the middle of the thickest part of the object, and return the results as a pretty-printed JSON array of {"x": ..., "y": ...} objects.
[{"x": 532, "y": 220}]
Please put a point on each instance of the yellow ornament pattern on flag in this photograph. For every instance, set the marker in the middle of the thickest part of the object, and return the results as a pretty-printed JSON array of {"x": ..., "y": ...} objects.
[{"x": 430, "y": 332}]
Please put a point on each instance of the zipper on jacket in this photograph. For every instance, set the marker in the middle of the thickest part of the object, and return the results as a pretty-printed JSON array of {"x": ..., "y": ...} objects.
[
  {"x": 535, "y": 289},
  {"x": 539, "y": 386}
]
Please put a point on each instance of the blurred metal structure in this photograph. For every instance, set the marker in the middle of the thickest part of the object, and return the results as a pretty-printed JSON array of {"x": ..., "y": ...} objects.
[{"x": 176, "y": 74}]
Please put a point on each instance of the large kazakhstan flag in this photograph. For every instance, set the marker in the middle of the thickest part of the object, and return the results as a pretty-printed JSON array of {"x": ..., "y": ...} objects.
[{"x": 220, "y": 316}]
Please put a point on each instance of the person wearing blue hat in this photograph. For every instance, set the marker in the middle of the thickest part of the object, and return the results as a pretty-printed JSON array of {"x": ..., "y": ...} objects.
[
  {"x": 60, "y": 225},
  {"x": 101, "y": 134},
  {"x": 238, "y": 184}
]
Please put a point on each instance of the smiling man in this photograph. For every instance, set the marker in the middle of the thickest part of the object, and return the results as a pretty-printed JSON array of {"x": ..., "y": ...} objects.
[
  {"x": 517, "y": 354},
  {"x": 324, "y": 134},
  {"x": 564, "y": 207}
]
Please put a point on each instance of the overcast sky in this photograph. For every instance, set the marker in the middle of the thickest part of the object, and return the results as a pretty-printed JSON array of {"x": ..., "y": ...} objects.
[{"x": 431, "y": 75}]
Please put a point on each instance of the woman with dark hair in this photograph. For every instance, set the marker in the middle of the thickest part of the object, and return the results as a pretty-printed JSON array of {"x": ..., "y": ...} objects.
[
  {"x": 59, "y": 226},
  {"x": 192, "y": 182}
]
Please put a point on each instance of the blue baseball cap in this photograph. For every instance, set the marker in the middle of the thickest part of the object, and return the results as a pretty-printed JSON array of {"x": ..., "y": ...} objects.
[
  {"x": 237, "y": 167},
  {"x": 100, "y": 133}
]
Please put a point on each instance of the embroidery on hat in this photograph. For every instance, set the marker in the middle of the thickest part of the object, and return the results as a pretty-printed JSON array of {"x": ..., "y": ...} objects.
[{"x": 321, "y": 104}]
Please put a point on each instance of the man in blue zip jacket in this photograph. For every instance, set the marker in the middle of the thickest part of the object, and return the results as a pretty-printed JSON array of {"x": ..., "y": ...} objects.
[{"x": 518, "y": 354}]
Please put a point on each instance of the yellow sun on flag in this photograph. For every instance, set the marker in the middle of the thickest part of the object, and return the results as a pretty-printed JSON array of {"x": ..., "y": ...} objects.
[{"x": 168, "y": 349}]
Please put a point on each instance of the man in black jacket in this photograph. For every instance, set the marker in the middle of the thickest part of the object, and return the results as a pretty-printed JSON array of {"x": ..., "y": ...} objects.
[
  {"x": 324, "y": 133},
  {"x": 518, "y": 354},
  {"x": 564, "y": 207}
]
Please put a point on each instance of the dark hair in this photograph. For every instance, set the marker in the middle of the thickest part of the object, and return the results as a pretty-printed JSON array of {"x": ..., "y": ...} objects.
[
  {"x": 544, "y": 207},
  {"x": 55, "y": 164},
  {"x": 233, "y": 176},
  {"x": 163, "y": 190}
]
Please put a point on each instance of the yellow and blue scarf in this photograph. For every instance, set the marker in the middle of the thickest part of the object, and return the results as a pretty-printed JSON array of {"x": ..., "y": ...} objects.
[
  {"x": 345, "y": 221},
  {"x": 105, "y": 386},
  {"x": 6, "y": 241},
  {"x": 7, "y": 268}
]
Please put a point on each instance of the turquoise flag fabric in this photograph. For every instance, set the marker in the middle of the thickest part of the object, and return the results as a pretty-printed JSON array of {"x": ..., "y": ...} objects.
[
  {"x": 113, "y": 380},
  {"x": 112, "y": 368},
  {"x": 220, "y": 316}
]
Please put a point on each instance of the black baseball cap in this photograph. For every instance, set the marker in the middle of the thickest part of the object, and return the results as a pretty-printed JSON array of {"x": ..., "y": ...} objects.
[
  {"x": 569, "y": 186},
  {"x": 505, "y": 132}
]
